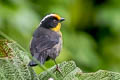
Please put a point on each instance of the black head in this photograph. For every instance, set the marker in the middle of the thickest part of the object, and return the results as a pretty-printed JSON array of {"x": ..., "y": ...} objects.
[{"x": 51, "y": 21}]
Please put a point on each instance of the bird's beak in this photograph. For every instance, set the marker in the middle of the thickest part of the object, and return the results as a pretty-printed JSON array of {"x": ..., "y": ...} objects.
[{"x": 62, "y": 19}]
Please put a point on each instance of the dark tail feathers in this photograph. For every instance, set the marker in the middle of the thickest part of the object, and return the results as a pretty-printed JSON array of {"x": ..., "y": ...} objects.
[
  {"x": 42, "y": 60},
  {"x": 32, "y": 63}
]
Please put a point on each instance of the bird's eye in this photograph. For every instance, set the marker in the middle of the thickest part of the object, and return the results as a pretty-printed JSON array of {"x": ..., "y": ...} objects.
[{"x": 55, "y": 21}]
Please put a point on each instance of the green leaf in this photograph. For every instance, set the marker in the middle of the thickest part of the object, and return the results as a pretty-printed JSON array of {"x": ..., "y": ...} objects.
[
  {"x": 71, "y": 72},
  {"x": 14, "y": 66},
  {"x": 68, "y": 70},
  {"x": 13, "y": 62}
]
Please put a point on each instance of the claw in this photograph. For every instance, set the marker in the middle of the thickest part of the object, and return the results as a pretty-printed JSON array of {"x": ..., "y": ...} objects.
[{"x": 57, "y": 68}]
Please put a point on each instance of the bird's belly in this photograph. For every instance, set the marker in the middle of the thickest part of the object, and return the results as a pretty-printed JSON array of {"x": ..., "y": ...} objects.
[
  {"x": 56, "y": 49},
  {"x": 59, "y": 46}
]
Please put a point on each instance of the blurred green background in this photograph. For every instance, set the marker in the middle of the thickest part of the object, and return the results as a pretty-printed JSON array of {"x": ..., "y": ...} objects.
[{"x": 91, "y": 32}]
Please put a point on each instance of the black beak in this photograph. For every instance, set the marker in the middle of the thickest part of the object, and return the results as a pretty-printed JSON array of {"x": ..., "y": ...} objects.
[{"x": 62, "y": 19}]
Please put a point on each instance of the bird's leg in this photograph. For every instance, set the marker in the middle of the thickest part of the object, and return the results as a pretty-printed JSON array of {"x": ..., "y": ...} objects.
[{"x": 57, "y": 68}]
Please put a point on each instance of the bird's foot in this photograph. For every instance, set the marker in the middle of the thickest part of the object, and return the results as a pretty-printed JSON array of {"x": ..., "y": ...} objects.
[{"x": 58, "y": 69}]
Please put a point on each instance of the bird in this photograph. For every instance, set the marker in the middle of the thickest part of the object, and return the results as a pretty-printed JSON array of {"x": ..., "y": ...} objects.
[{"x": 46, "y": 42}]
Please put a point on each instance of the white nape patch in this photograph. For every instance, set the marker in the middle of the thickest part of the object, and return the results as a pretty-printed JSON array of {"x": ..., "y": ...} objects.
[{"x": 45, "y": 18}]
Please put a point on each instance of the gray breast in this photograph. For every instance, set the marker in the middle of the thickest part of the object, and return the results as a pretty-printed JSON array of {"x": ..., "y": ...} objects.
[
  {"x": 54, "y": 52},
  {"x": 58, "y": 46}
]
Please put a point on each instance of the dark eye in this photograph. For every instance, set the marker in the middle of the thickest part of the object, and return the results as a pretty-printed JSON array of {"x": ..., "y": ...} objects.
[{"x": 55, "y": 21}]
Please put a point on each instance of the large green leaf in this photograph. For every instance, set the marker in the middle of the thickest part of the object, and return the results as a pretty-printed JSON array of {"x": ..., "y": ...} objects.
[
  {"x": 14, "y": 66},
  {"x": 71, "y": 72},
  {"x": 13, "y": 62}
]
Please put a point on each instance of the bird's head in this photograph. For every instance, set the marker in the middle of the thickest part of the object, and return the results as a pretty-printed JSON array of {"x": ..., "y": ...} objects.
[{"x": 52, "y": 21}]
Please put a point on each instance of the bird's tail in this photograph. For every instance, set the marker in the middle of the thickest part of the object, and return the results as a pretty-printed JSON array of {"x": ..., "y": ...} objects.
[
  {"x": 41, "y": 59},
  {"x": 32, "y": 63}
]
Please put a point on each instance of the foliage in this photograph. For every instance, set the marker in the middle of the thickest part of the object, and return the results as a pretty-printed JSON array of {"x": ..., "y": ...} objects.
[
  {"x": 14, "y": 66},
  {"x": 13, "y": 62},
  {"x": 74, "y": 73},
  {"x": 91, "y": 32}
]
